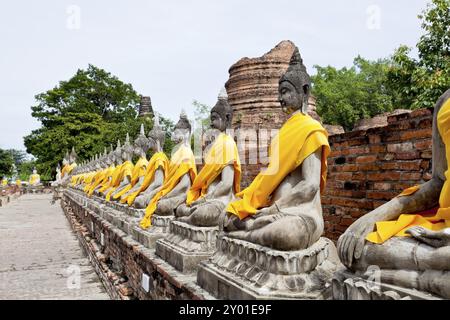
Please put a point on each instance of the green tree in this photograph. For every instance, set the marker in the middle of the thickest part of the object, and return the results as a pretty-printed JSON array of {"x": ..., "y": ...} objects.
[
  {"x": 349, "y": 94},
  {"x": 25, "y": 169},
  {"x": 418, "y": 83},
  {"x": 89, "y": 112},
  {"x": 6, "y": 163}
]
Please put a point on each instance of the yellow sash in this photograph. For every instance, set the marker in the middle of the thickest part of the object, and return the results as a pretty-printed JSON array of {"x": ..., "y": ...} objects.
[
  {"x": 18, "y": 183},
  {"x": 181, "y": 163},
  {"x": 441, "y": 220},
  {"x": 126, "y": 169},
  {"x": 34, "y": 179},
  {"x": 138, "y": 171},
  {"x": 102, "y": 179},
  {"x": 4, "y": 182},
  {"x": 222, "y": 153},
  {"x": 67, "y": 170},
  {"x": 159, "y": 159},
  {"x": 297, "y": 139}
]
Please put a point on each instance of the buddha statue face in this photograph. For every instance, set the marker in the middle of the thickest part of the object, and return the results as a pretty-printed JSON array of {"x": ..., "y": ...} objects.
[
  {"x": 182, "y": 130},
  {"x": 294, "y": 86},
  {"x": 222, "y": 113}
]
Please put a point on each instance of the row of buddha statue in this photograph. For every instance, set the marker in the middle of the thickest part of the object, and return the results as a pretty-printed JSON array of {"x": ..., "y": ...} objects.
[{"x": 277, "y": 220}]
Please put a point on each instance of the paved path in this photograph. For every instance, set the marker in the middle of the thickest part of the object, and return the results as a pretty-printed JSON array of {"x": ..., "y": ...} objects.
[{"x": 40, "y": 257}]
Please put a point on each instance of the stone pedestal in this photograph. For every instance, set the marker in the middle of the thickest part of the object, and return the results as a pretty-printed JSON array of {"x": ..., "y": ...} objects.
[
  {"x": 186, "y": 245},
  {"x": 159, "y": 229},
  {"x": 348, "y": 286},
  {"x": 243, "y": 270}
]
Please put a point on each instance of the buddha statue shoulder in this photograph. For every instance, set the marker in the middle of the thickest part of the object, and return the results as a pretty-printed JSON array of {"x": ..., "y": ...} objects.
[
  {"x": 219, "y": 180},
  {"x": 281, "y": 209},
  {"x": 408, "y": 238},
  {"x": 181, "y": 174},
  {"x": 157, "y": 169}
]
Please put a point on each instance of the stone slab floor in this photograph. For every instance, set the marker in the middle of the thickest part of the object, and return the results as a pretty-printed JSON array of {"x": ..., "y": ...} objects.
[{"x": 40, "y": 257}]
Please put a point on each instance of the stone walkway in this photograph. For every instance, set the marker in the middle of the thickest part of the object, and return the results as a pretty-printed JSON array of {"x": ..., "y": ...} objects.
[{"x": 40, "y": 257}]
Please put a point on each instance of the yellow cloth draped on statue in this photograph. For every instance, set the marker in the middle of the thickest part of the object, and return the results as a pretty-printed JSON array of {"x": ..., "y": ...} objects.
[
  {"x": 158, "y": 160},
  {"x": 67, "y": 169},
  {"x": 181, "y": 163},
  {"x": 93, "y": 180},
  {"x": 297, "y": 139},
  {"x": 125, "y": 169},
  {"x": 34, "y": 179},
  {"x": 138, "y": 172},
  {"x": 4, "y": 182},
  {"x": 430, "y": 220},
  {"x": 223, "y": 152},
  {"x": 19, "y": 183},
  {"x": 103, "y": 178},
  {"x": 113, "y": 181}
]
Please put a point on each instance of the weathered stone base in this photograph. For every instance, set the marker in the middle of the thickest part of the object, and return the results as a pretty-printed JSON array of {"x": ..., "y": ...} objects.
[
  {"x": 158, "y": 230},
  {"x": 186, "y": 245},
  {"x": 243, "y": 270},
  {"x": 347, "y": 286},
  {"x": 122, "y": 261}
]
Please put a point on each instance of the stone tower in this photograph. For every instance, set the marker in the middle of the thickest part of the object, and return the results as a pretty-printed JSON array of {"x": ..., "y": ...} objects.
[{"x": 145, "y": 107}]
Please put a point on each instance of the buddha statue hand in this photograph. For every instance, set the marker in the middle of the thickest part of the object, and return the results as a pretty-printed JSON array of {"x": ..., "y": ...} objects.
[
  {"x": 436, "y": 239},
  {"x": 351, "y": 243},
  {"x": 262, "y": 217}
]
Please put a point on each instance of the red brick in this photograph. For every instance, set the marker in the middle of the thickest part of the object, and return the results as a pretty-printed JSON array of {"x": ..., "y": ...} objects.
[
  {"x": 374, "y": 138},
  {"x": 416, "y": 134},
  {"x": 423, "y": 144},
  {"x": 411, "y": 176},
  {"x": 383, "y": 176},
  {"x": 382, "y": 186},
  {"x": 366, "y": 159}
]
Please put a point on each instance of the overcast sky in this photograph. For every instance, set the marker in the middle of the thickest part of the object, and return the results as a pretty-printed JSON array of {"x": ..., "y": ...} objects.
[{"x": 178, "y": 51}]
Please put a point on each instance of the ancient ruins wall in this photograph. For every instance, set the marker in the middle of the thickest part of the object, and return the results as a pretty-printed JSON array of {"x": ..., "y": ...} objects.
[{"x": 369, "y": 167}]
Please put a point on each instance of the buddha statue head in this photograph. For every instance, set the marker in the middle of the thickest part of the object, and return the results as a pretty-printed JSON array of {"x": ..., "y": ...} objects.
[
  {"x": 156, "y": 136},
  {"x": 34, "y": 171},
  {"x": 118, "y": 152},
  {"x": 221, "y": 113},
  {"x": 182, "y": 130},
  {"x": 127, "y": 149},
  {"x": 294, "y": 86},
  {"x": 141, "y": 144}
]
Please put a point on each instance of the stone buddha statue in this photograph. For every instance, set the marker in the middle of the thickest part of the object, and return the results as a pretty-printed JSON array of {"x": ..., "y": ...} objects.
[
  {"x": 141, "y": 146},
  {"x": 220, "y": 178},
  {"x": 270, "y": 243},
  {"x": 157, "y": 168},
  {"x": 105, "y": 179},
  {"x": 181, "y": 174},
  {"x": 281, "y": 209},
  {"x": 408, "y": 238},
  {"x": 35, "y": 179},
  {"x": 58, "y": 173},
  {"x": 124, "y": 171},
  {"x": 99, "y": 168},
  {"x": 113, "y": 178}
]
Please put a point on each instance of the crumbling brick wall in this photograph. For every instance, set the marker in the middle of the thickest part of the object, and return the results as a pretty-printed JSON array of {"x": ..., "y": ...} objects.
[{"x": 369, "y": 167}]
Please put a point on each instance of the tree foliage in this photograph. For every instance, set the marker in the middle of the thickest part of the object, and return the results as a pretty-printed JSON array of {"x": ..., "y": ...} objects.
[
  {"x": 6, "y": 163},
  {"x": 398, "y": 82},
  {"x": 90, "y": 111},
  {"x": 349, "y": 94},
  {"x": 418, "y": 83}
]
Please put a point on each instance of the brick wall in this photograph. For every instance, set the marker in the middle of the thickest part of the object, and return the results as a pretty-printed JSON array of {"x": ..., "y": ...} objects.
[{"x": 369, "y": 167}]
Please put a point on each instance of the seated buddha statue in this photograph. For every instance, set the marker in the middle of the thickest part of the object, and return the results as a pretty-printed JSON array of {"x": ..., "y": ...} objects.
[
  {"x": 35, "y": 179},
  {"x": 4, "y": 182},
  {"x": 408, "y": 238},
  {"x": 281, "y": 209},
  {"x": 138, "y": 174},
  {"x": 181, "y": 174},
  {"x": 105, "y": 178},
  {"x": 146, "y": 188},
  {"x": 124, "y": 172},
  {"x": 99, "y": 168},
  {"x": 69, "y": 164},
  {"x": 220, "y": 178},
  {"x": 113, "y": 178}
]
